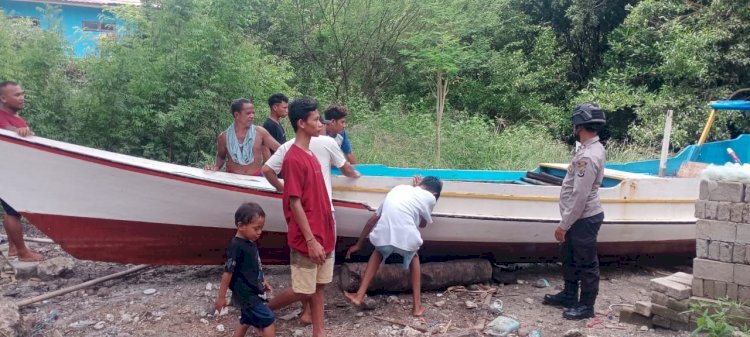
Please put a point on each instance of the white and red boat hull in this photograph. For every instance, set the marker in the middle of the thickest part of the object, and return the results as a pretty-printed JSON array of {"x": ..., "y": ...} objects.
[{"x": 104, "y": 206}]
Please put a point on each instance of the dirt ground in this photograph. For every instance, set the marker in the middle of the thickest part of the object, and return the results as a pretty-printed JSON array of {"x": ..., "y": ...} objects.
[{"x": 184, "y": 295}]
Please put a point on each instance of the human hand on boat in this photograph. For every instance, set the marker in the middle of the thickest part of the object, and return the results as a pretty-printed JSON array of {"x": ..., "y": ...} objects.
[
  {"x": 353, "y": 249},
  {"x": 24, "y": 132},
  {"x": 316, "y": 252},
  {"x": 210, "y": 167},
  {"x": 220, "y": 303},
  {"x": 560, "y": 234},
  {"x": 416, "y": 180}
]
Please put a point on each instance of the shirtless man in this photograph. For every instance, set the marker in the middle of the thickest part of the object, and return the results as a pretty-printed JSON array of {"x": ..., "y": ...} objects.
[{"x": 242, "y": 145}]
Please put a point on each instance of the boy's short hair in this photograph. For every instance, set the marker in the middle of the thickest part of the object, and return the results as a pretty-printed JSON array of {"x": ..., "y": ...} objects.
[
  {"x": 335, "y": 112},
  {"x": 432, "y": 184},
  {"x": 300, "y": 109},
  {"x": 237, "y": 105},
  {"x": 276, "y": 99},
  {"x": 247, "y": 212}
]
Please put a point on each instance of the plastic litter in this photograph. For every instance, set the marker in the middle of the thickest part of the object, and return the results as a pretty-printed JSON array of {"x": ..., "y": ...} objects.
[
  {"x": 535, "y": 333},
  {"x": 502, "y": 326},
  {"x": 496, "y": 307}
]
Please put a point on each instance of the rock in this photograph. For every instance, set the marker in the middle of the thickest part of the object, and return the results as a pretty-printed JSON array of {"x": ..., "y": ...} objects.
[
  {"x": 369, "y": 304},
  {"x": 573, "y": 333},
  {"x": 99, "y": 325},
  {"x": 204, "y": 321},
  {"x": 360, "y": 314},
  {"x": 102, "y": 292},
  {"x": 439, "y": 304},
  {"x": 11, "y": 324},
  {"x": 392, "y": 299},
  {"x": 643, "y": 328},
  {"x": 81, "y": 324},
  {"x": 298, "y": 333},
  {"x": 470, "y": 305},
  {"x": 523, "y": 332},
  {"x": 410, "y": 332},
  {"x": 501, "y": 326},
  {"x": 220, "y": 327},
  {"x": 126, "y": 318},
  {"x": 25, "y": 270},
  {"x": 55, "y": 267},
  {"x": 541, "y": 283},
  {"x": 209, "y": 286},
  {"x": 291, "y": 315},
  {"x": 521, "y": 282},
  {"x": 472, "y": 287},
  {"x": 149, "y": 291},
  {"x": 529, "y": 300},
  {"x": 110, "y": 318},
  {"x": 149, "y": 332}
]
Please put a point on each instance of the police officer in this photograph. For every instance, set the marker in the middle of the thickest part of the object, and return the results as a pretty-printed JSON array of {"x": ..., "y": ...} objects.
[{"x": 582, "y": 215}]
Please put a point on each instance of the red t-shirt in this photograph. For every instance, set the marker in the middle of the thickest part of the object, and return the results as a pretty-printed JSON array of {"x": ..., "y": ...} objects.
[
  {"x": 10, "y": 119},
  {"x": 303, "y": 178}
]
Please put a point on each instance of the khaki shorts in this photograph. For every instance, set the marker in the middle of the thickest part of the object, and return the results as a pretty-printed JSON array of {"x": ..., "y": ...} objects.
[{"x": 306, "y": 274}]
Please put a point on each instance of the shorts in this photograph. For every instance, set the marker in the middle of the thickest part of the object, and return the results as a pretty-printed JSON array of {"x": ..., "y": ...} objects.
[
  {"x": 259, "y": 316},
  {"x": 387, "y": 250},
  {"x": 9, "y": 210},
  {"x": 306, "y": 274}
]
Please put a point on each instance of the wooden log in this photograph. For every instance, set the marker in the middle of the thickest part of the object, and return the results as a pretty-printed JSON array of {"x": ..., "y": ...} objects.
[{"x": 435, "y": 275}]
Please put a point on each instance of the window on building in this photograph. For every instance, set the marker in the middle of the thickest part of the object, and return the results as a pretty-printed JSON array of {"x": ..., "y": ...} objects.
[
  {"x": 34, "y": 21},
  {"x": 96, "y": 26}
]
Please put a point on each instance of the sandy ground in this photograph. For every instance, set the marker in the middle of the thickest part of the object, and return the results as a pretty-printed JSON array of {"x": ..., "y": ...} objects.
[{"x": 184, "y": 295}]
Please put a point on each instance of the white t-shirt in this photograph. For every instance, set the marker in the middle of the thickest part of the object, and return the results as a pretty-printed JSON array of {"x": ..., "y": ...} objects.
[
  {"x": 325, "y": 149},
  {"x": 400, "y": 214}
]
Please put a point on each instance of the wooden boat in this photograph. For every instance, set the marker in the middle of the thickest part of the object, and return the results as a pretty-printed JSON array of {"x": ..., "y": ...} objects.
[{"x": 105, "y": 206}]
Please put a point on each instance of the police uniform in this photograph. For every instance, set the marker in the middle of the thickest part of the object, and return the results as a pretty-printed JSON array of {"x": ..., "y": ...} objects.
[{"x": 581, "y": 217}]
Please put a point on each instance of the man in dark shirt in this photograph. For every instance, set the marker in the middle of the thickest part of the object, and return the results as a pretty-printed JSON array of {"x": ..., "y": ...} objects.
[
  {"x": 279, "y": 106},
  {"x": 243, "y": 274}
]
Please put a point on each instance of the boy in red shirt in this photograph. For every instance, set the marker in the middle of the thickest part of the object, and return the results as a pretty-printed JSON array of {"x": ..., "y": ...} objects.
[
  {"x": 12, "y": 100},
  {"x": 307, "y": 209}
]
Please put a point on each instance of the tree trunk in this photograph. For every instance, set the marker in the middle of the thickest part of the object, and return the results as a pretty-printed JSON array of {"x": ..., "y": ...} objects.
[
  {"x": 435, "y": 275},
  {"x": 441, "y": 86}
]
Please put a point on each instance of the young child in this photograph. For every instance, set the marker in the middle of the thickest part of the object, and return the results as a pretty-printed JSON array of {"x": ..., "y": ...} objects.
[
  {"x": 243, "y": 274},
  {"x": 393, "y": 229}
]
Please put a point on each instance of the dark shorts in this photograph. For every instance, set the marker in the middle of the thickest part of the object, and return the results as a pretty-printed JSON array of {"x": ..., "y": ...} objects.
[
  {"x": 259, "y": 316},
  {"x": 9, "y": 210}
]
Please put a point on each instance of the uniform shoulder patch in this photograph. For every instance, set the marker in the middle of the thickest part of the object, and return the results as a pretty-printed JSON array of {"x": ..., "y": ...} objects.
[{"x": 581, "y": 167}]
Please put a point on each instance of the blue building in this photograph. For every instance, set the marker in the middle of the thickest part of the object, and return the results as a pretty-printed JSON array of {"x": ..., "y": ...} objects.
[{"x": 82, "y": 21}]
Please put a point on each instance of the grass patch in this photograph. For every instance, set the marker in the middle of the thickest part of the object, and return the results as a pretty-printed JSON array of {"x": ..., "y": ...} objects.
[{"x": 469, "y": 142}]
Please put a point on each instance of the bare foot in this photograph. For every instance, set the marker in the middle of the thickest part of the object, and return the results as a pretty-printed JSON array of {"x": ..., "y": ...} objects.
[
  {"x": 353, "y": 298},
  {"x": 418, "y": 311},
  {"x": 12, "y": 251},
  {"x": 30, "y": 256}
]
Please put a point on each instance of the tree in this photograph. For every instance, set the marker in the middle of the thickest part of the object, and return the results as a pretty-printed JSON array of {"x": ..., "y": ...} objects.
[{"x": 437, "y": 53}]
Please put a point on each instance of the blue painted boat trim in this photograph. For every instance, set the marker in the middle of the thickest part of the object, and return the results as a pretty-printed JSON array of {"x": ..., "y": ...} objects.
[
  {"x": 734, "y": 104},
  {"x": 710, "y": 153}
]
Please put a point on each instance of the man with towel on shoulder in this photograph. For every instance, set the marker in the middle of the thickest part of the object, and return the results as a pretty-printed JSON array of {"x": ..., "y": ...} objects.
[{"x": 241, "y": 145}]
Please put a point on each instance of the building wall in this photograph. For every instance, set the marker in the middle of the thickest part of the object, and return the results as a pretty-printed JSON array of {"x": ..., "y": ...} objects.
[{"x": 72, "y": 18}]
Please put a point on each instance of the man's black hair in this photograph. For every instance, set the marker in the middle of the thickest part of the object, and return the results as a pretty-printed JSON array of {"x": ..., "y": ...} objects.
[
  {"x": 300, "y": 109},
  {"x": 335, "y": 112},
  {"x": 5, "y": 84},
  {"x": 238, "y": 104},
  {"x": 247, "y": 212},
  {"x": 276, "y": 99},
  {"x": 432, "y": 184}
]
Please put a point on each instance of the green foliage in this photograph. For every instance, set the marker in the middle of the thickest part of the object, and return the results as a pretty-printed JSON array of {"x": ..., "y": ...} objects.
[
  {"x": 506, "y": 74},
  {"x": 714, "y": 319},
  {"x": 674, "y": 55}
]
